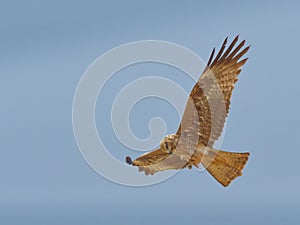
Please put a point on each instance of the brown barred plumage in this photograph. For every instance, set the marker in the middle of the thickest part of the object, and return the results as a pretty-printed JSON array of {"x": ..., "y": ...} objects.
[{"x": 202, "y": 123}]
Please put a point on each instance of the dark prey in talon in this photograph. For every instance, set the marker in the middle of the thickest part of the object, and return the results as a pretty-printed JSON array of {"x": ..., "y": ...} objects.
[
  {"x": 202, "y": 122},
  {"x": 128, "y": 160}
]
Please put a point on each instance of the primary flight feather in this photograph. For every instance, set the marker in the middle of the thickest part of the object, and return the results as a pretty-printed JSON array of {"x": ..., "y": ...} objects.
[{"x": 202, "y": 123}]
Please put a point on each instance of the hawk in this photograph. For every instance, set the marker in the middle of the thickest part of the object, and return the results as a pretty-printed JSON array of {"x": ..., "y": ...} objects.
[{"x": 202, "y": 123}]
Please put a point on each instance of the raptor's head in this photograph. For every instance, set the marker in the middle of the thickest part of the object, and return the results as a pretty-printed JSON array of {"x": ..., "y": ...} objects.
[{"x": 169, "y": 143}]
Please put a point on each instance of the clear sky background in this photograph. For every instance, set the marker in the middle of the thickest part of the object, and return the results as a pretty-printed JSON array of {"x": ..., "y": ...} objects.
[{"x": 46, "y": 46}]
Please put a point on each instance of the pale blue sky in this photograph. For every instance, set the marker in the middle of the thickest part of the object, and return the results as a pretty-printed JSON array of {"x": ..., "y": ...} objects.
[{"x": 46, "y": 47}]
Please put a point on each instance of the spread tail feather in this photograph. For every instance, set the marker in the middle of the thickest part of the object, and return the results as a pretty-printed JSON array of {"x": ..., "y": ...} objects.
[{"x": 224, "y": 166}]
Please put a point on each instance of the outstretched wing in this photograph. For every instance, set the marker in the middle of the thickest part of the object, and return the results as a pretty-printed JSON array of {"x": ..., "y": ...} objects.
[
  {"x": 209, "y": 100},
  {"x": 205, "y": 113},
  {"x": 160, "y": 160}
]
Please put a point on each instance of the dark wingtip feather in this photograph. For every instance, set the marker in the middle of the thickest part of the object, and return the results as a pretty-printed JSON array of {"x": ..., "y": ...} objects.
[
  {"x": 225, "y": 41},
  {"x": 230, "y": 47},
  {"x": 211, "y": 56},
  {"x": 243, "y": 61},
  {"x": 230, "y": 55},
  {"x": 236, "y": 38},
  {"x": 235, "y": 51},
  {"x": 238, "y": 56},
  {"x": 220, "y": 51}
]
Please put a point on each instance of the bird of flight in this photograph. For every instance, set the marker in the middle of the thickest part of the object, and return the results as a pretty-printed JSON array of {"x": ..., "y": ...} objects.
[{"x": 202, "y": 123}]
